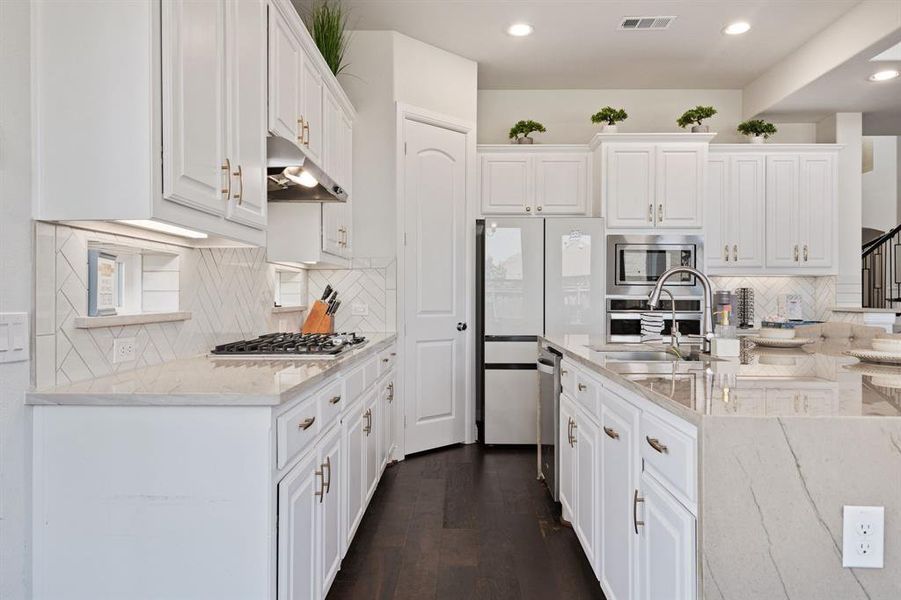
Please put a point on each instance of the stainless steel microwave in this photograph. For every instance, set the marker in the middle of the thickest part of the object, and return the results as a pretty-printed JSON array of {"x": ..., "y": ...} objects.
[{"x": 636, "y": 262}]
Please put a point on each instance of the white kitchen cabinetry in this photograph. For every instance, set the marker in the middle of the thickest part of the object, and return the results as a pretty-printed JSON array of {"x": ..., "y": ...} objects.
[
  {"x": 313, "y": 104},
  {"x": 771, "y": 210},
  {"x": 310, "y": 233},
  {"x": 585, "y": 438},
  {"x": 372, "y": 423},
  {"x": 286, "y": 68},
  {"x": 159, "y": 118},
  {"x": 536, "y": 180},
  {"x": 667, "y": 563},
  {"x": 652, "y": 181},
  {"x": 354, "y": 452},
  {"x": 331, "y": 531},
  {"x": 299, "y": 530},
  {"x": 568, "y": 480}
]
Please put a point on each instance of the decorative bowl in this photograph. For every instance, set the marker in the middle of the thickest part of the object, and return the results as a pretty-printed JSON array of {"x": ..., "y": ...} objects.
[{"x": 777, "y": 334}]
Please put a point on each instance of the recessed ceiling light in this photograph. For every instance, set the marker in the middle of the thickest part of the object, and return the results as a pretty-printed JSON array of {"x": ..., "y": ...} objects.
[
  {"x": 884, "y": 75},
  {"x": 737, "y": 28},
  {"x": 520, "y": 29}
]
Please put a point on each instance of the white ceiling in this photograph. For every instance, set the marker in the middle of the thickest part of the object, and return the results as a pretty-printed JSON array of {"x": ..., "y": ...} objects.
[
  {"x": 848, "y": 89},
  {"x": 577, "y": 44}
]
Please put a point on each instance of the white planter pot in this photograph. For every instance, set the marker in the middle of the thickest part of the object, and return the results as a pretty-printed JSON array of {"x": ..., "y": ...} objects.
[
  {"x": 608, "y": 129},
  {"x": 525, "y": 140},
  {"x": 700, "y": 129},
  {"x": 757, "y": 139}
]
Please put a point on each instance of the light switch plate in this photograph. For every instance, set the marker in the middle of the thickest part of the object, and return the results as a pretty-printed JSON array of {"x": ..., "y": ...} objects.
[
  {"x": 863, "y": 537},
  {"x": 14, "y": 337}
]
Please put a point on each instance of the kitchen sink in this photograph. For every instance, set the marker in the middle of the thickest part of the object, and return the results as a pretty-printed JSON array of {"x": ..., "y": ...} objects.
[{"x": 639, "y": 355}]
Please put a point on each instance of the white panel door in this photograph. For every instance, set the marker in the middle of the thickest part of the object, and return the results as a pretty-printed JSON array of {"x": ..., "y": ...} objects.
[
  {"x": 434, "y": 283},
  {"x": 285, "y": 79},
  {"x": 355, "y": 471},
  {"x": 629, "y": 189},
  {"x": 312, "y": 110},
  {"x": 567, "y": 476},
  {"x": 816, "y": 201},
  {"x": 679, "y": 185},
  {"x": 331, "y": 460},
  {"x": 195, "y": 171},
  {"x": 561, "y": 184},
  {"x": 619, "y": 471},
  {"x": 667, "y": 564},
  {"x": 716, "y": 219},
  {"x": 746, "y": 209},
  {"x": 782, "y": 191},
  {"x": 507, "y": 184},
  {"x": 247, "y": 111},
  {"x": 585, "y": 521},
  {"x": 298, "y": 543}
]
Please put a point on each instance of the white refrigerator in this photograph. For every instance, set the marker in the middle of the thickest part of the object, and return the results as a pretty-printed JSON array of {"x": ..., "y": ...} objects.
[{"x": 535, "y": 276}]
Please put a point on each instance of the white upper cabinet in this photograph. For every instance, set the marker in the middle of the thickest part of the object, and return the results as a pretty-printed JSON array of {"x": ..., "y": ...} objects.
[
  {"x": 735, "y": 201},
  {"x": 652, "y": 181},
  {"x": 196, "y": 169},
  {"x": 286, "y": 68},
  {"x": 816, "y": 203},
  {"x": 539, "y": 180},
  {"x": 312, "y": 111},
  {"x": 247, "y": 112}
]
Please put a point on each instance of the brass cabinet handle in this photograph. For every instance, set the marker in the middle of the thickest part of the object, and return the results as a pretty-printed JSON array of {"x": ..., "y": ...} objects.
[
  {"x": 306, "y": 136},
  {"x": 335, "y": 400},
  {"x": 611, "y": 433},
  {"x": 660, "y": 213},
  {"x": 796, "y": 252},
  {"x": 582, "y": 387},
  {"x": 240, "y": 195},
  {"x": 300, "y": 128},
  {"x": 368, "y": 427},
  {"x": 735, "y": 252},
  {"x": 227, "y": 168},
  {"x": 650, "y": 213},
  {"x": 328, "y": 482},
  {"x": 726, "y": 252},
  {"x": 805, "y": 253},
  {"x": 635, "y": 522},
  {"x": 306, "y": 423},
  {"x": 656, "y": 445},
  {"x": 321, "y": 491}
]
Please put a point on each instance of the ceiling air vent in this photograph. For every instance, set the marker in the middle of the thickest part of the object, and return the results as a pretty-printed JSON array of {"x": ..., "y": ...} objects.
[{"x": 645, "y": 23}]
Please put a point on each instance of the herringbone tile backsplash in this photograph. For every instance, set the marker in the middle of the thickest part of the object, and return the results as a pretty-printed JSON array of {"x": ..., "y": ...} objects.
[
  {"x": 370, "y": 287},
  {"x": 229, "y": 292},
  {"x": 817, "y": 294}
]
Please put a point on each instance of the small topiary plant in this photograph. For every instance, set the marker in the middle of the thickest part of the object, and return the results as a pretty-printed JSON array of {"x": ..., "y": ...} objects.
[
  {"x": 757, "y": 128},
  {"x": 609, "y": 115},
  {"x": 524, "y": 128},
  {"x": 695, "y": 116}
]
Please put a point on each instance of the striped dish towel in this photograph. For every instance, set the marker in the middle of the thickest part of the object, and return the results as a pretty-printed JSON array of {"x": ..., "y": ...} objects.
[{"x": 651, "y": 326}]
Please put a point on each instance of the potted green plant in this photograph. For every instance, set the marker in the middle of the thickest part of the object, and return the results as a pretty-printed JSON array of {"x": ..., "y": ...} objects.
[
  {"x": 757, "y": 130},
  {"x": 609, "y": 116},
  {"x": 328, "y": 28},
  {"x": 696, "y": 115},
  {"x": 519, "y": 133}
]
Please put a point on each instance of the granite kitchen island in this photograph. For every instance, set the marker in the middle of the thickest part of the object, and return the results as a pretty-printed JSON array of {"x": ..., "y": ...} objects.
[{"x": 781, "y": 440}]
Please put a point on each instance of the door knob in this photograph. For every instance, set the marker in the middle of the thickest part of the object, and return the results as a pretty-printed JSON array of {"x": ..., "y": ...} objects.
[{"x": 461, "y": 326}]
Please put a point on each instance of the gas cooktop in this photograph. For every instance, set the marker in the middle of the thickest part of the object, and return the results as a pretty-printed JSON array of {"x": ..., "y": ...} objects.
[{"x": 292, "y": 346}]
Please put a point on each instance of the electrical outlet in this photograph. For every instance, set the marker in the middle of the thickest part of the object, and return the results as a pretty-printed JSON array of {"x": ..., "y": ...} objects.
[
  {"x": 123, "y": 350},
  {"x": 359, "y": 309},
  {"x": 863, "y": 534}
]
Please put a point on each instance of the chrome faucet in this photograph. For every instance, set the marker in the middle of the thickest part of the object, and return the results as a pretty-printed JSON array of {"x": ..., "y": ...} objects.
[
  {"x": 707, "y": 320},
  {"x": 674, "y": 326}
]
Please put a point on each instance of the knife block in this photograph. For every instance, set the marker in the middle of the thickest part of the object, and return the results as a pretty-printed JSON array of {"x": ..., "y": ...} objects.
[{"x": 317, "y": 321}]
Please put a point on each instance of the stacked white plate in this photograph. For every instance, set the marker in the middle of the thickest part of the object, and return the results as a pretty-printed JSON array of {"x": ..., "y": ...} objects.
[
  {"x": 772, "y": 337},
  {"x": 885, "y": 350}
]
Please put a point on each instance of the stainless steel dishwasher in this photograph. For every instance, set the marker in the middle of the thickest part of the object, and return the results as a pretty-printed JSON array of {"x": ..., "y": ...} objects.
[{"x": 548, "y": 415}]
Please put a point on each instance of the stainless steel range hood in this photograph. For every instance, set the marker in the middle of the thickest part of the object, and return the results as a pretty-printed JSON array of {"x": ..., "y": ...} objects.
[{"x": 292, "y": 177}]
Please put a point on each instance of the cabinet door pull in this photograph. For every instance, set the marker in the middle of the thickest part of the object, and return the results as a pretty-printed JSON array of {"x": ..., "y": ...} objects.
[
  {"x": 575, "y": 439},
  {"x": 384, "y": 360},
  {"x": 306, "y": 137},
  {"x": 660, "y": 213},
  {"x": 650, "y": 213},
  {"x": 796, "y": 252},
  {"x": 635, "y": 522},
  {"x": 805, "y": 253},
  {"x": 538, "y": 209},
  {"x": 735, "y": 253},
  {"x": 321, "y": 491},
  {"x": 335, "y": 400},
  {"x": 726, "y": 252},
  {"x": 240, "y": 195},
  {"x": 306, "y": 423},
  {"x": 582, "y": 387},
  {"x": 656, "y": 445},
  {"x": 564, "y": 372},
  {"x": 328, "y": 467},
  {"x": 569, "y": 431},
  {"x": 300, "y": 129},
  {"x": 528, "y": 209},
  {"x": 611, "y": 433},
  {"x": 227, "y": 168}
]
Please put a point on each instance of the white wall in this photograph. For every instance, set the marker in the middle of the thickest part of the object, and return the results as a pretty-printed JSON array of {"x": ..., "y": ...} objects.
[
  {"x": 15, "y": 296},
  {"x": 880, "y": 186}
]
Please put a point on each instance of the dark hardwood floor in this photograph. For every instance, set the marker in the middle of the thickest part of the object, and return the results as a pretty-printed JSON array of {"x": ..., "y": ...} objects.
[{"x": 464, "y": 522}]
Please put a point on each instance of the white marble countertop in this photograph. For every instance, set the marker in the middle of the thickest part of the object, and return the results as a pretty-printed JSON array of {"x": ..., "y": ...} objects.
[
  {"x": 813, "y": 381},
  {"x": 209, "y": 381}
]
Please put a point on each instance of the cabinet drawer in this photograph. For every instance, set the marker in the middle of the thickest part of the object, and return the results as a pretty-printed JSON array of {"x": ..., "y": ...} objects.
[
  {"x": 671, "y": 456},
  {"x": 296, "y": 429},
  {"x": 386, "y": 360},
  {"x": 370, "y": 372},
  {"x": 354, "y": 385},
  {"x": 331, "y": 402},
  {"x": 568, "y": 377},
  {"x": 587, "y": 393}
]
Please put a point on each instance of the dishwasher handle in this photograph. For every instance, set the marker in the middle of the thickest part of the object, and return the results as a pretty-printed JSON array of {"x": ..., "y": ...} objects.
[{"x": 546, "y": 366}]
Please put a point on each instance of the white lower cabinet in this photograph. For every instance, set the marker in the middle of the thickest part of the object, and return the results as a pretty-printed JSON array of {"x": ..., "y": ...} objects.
[
  {"x": 371, "y": 427},
  {"x": 354, "y": 445},
  {"x": 331, "y": 534},
  {"x": 667, "y": 561},
  {"x": 636, "y": 531},
  {"x": 298, "y": 530}
]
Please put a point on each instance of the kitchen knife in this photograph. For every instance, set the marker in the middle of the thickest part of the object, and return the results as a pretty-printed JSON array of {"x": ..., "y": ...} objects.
[
  {"x": 326, "y": 293},
  {"x": 334, "y": 307},
  {"x": 334, "y": 296}
]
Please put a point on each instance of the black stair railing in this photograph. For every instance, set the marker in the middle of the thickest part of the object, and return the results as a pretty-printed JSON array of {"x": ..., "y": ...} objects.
[{"x": 881, "y": 270}]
